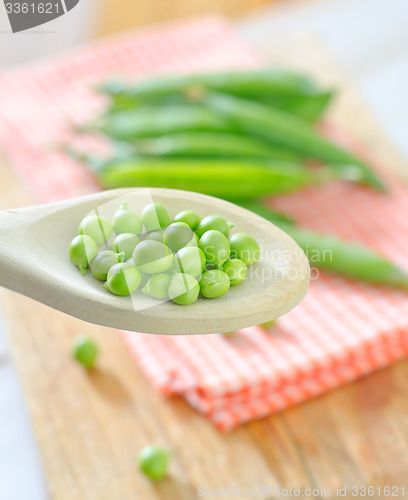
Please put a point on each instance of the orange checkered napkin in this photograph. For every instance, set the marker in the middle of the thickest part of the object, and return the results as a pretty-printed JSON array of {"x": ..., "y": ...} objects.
[{"x": 341, "y": 331}]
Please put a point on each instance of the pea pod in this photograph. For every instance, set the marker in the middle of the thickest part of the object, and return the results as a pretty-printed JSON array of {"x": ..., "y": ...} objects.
[
  {"x": 222, "y": 178},
  {"x": 345, "y": 258},
  {"x": 281, "y": 128},
  {"x": 286, "y": 90},
  {"x": 211, "y": 145},
  {"x": 242, "y": 83},
  {"x": 307, "y": 107},
  {"x": 157, "y": 121}
]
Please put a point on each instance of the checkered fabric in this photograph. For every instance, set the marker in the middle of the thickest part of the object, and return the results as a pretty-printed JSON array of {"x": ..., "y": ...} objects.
[{"x": 341, "y": 331}]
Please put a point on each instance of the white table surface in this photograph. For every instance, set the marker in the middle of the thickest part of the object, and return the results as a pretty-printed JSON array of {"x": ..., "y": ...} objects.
[{"x": 369, "y": 39}]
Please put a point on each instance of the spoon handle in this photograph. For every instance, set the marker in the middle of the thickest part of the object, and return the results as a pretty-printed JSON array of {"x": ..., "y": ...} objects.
[{"x": 16, "y": 271}]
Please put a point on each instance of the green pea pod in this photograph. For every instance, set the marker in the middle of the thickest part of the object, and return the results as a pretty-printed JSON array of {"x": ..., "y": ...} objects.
[
  {"x": 243, "y": 83},
  {"x": 345, "y": 258},
  {"x": 222, "y": 178},
  {"x": 286, "y": 90},
  {"x": 157, "y": 121},
  {"x": 307, "y": 107},
  {"x": 265, "y": 122},
  {"x": 211, "y": 145}
]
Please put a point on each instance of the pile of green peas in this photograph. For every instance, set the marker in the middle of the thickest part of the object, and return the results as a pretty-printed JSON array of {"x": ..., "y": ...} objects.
[{"x": 172, "y": 259}]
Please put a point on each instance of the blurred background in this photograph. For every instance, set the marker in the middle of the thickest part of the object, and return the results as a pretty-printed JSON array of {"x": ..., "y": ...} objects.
[{"x": 366, "y": 39}]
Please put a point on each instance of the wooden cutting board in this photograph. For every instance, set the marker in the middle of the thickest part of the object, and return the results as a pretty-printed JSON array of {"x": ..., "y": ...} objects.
[{"x": 90, "y": 427}]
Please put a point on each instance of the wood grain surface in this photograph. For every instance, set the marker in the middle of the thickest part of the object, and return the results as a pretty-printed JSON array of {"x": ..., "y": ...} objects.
[
  {"x": 124, "y": 14},
  {"x": 90, "y": 427}
]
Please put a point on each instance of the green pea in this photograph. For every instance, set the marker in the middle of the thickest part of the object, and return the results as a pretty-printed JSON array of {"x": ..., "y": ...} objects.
[
  {"x": 178, "y": 235},
  {"x": 85, "y": 351},
  {"x": 144, "y": 277},
  {"x": 215, "y": 222},
  {"x": 81, "y": 251},
  {"x": 190, "y": 260},
  {"x": 244, "y": 247},
  {"x": 97, "y": 227},
  {"x": 103, "y": 262},
  {"x": 155, "y": 216},
  {"x": 184, "y": 289},
  {"x": 126, "y": 243},
  {"x": 152, "y": 257},
  {"x": 236, "y": 270},
  {"x": 126, "y": 220},
  {"x": 158, "y": 286},
  {"x": 123, "y": 279},
  {"x": 155, "y": 235},
  {"x": 153, "y": 462},
  {"x": 215, "y": 247},
  {"x": 214, "y": 283},
  {"x": 188, "y": 217}
]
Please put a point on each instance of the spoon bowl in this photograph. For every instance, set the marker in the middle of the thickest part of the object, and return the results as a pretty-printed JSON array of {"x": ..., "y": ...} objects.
[{"x": 34, "y": 261}]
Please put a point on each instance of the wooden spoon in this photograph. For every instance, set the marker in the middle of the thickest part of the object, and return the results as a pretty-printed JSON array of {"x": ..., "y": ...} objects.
[{"x": 34, "y": 261}]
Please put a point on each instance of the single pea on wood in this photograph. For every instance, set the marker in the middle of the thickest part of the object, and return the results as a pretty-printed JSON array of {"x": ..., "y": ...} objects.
[
  {"x": 153, "y": 462},
  {"x": 85, "y": 351},
  {"x": 180, "y": 259}
]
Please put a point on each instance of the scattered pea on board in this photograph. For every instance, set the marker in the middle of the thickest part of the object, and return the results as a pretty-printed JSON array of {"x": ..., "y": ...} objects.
[
  {"x": 176, "y": 259},
  {"x": 85, "y": 351},
  {"x": 153, "y": 462}
]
